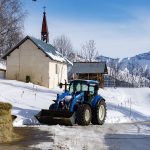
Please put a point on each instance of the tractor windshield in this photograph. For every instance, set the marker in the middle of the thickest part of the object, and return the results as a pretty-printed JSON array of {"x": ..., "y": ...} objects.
[{"x": 81, "y": 87}]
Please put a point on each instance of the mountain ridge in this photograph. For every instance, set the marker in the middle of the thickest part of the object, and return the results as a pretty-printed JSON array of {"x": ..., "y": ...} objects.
[{"x": 138, "y": 65}]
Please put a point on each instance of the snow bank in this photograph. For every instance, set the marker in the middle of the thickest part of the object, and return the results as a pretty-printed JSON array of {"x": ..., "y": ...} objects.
[
  {"x": 73, "y": 138},
  {"x": 27, "y": 99},
  {"x": 127, "y": 104}
]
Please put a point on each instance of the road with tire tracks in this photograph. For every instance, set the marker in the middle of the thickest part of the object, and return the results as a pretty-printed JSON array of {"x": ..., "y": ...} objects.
[{"x": 130, "y": 136}]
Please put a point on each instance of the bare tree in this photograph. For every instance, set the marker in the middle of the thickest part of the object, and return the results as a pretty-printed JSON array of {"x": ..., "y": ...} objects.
[
  {"x": 88, "y": 51},
  {"x": 64, "y": 46},
  {"x": 132, "y": 66},
  {"x": 147, "y": 73},
  {"x": 11, "y": 23},
  {"x": 114, "y": 70}
]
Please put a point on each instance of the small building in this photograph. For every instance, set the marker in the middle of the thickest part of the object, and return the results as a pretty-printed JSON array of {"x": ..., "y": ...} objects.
[
  {"x": 36, "y": 61},
  {"x": 89, "y": 71},
  {"x": 33, "y": 60}
]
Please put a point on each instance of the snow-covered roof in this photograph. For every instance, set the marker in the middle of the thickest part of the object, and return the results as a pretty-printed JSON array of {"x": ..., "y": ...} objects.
[
  {"x": 47, "y": 48},
  {"x": 69, "y": 62},
  {"x": 89, "y": 67}
]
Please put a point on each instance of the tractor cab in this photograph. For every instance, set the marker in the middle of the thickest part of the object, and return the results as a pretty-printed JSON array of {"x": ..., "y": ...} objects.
[{"x": 89, "y": 87}]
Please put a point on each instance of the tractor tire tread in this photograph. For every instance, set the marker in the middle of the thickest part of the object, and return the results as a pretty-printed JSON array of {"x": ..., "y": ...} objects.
[
  {"x": 95, "y": 120},
  {"x": 80, "y": 116}
]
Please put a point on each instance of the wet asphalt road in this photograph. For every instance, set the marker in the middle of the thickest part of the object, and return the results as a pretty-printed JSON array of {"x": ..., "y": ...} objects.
[
  {"x": 107, "y": 137},
  {"x": 27, "y": 136}
]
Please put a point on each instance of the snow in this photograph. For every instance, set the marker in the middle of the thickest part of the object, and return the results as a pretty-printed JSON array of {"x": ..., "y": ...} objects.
[
  {"x": 27, "y": 99},
  {"x": 134, "y": 70},
  {"x": 69, "y": 62},
  {"x": 124, "y": 105},
  {"x": 56, "y": 57},
  {"x": 106, "y": 137},
  {"x": 127, "y": 104},
  {"x": 79, "y": 137}
]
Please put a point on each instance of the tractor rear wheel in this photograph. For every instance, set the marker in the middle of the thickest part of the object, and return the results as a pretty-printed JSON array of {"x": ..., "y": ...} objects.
[
  {"x": 99, "y": 114},
  {"x": 83, "y": 115}
]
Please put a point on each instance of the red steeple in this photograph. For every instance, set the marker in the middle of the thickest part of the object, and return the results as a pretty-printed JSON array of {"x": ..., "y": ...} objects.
[{"x": 44, "y": 31}]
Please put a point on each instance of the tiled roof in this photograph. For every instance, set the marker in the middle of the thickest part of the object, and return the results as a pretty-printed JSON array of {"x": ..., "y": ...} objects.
[
  {"x": 89, "y": 67},
  {"x": 48, "y": 49}
]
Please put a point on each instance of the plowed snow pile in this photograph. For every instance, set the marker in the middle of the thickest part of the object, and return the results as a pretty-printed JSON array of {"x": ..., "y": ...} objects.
[{"x": 123, "y": 104}]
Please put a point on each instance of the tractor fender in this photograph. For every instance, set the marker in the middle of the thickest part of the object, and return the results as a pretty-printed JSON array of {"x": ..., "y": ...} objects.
[
  {"x": 96, "y": 99},
  {"x": 87, "y": 103}
]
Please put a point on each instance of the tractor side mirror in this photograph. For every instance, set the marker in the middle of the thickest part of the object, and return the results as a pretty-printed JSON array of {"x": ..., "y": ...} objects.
[{"x": 60, "y": 85}]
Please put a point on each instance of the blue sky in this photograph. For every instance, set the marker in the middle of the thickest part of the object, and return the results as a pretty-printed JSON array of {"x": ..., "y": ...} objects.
[{"x": 120, "y": 28}]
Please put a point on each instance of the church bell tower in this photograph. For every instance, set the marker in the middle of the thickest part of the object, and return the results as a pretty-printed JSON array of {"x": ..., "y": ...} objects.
[{"x": 44, "y": 31}]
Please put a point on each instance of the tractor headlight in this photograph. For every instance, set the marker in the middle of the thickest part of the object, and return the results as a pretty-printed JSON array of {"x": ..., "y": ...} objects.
[{"x": 68, "y": 98}]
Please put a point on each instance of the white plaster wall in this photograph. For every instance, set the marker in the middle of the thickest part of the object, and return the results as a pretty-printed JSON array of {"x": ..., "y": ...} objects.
[
  {"x": 56, "y": 77},
  {"x": 28, "y": 60}
]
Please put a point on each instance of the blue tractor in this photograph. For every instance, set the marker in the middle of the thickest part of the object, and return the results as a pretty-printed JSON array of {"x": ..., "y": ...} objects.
[{"x": 79, "y": 104}]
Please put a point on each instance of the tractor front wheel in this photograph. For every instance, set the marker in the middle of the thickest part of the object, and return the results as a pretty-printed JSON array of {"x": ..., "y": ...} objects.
[
  {"x": 83, "y": 115},
  {"x": 52, "y": 106},
  {"x": 99, "y": 114}
]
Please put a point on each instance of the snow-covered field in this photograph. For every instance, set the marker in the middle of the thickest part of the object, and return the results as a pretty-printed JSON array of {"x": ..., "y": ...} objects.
[
  {"x": 127, "y": 104},
  {"x": 27, "y": 99},
  {"x": 124, "y": 105}
]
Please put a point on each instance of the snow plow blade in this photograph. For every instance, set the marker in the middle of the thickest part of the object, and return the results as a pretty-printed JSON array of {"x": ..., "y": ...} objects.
[{"x": 53, "y": 117}]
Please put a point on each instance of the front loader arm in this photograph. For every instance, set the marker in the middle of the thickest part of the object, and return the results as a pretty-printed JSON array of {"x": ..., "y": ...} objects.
[{"x": 76, "y": 98}]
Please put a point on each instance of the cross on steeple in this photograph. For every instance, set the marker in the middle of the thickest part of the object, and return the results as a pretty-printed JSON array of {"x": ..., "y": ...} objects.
[
  {"x": 44, "y": 8},
  {"x": 44, "y": 31}
]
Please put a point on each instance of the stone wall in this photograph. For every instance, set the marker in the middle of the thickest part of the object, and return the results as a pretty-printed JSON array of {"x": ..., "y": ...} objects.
[{"x": 5, "y": 122}]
